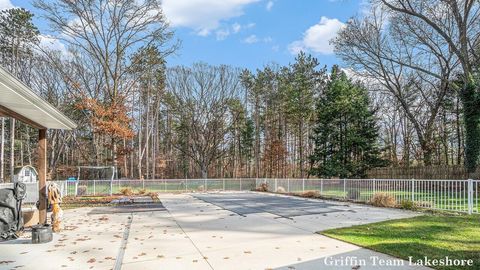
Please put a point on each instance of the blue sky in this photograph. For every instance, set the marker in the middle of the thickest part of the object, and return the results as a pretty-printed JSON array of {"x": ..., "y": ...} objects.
[{"x": 248, "y": 33}]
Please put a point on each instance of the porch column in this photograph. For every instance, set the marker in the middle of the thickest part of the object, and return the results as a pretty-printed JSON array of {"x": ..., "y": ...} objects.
[{"x": 42, "y": 175}]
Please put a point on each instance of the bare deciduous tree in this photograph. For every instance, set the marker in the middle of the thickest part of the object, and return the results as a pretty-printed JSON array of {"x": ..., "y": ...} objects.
[{"x": 201, "y": 96}]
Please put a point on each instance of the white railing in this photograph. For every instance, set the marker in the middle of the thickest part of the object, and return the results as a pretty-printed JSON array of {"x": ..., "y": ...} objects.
[
  {"x": 449, "y": 195},
  {"x": 107, "y": 187}
]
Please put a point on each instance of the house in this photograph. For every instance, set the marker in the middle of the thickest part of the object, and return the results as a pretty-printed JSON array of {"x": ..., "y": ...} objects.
[{"x": 25, "y": 174}]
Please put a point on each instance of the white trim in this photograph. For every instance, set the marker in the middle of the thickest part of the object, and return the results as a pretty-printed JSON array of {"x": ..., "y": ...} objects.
[{"x": 39, "y": 111}]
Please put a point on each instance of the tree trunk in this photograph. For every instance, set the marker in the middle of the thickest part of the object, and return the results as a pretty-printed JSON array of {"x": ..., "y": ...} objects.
[
  {"x": 204, "y": 171},
  {"x": 257, "y": 139},
  {"x": 471, "y": 115},
  {"x": 125, "y": 157},
  {"x": 114, "y": 156},
  {"x": 300, "y": 148}
]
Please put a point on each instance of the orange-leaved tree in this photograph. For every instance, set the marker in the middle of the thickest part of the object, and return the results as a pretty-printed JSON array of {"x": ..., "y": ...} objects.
[{"x": 109, "y": 119}]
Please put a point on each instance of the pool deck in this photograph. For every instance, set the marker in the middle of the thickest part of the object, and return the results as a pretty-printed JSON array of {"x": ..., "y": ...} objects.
[{"x": 230, "y": 230}]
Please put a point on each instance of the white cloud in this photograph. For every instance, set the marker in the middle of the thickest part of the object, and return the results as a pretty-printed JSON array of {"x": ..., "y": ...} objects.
[
  {"x": 204, "y": 16},
  {"x": 251, "y": 39},
  {"x": 222, "y": 34},
  {"x": 224, "y": 31},
  {"x": 236, "y": 27},
  {"x": 317, "y": 38},
  {"x": 50, "y": 42},
  {"x": 5, "y": 4},
  {"x": 269, "y": 5}
]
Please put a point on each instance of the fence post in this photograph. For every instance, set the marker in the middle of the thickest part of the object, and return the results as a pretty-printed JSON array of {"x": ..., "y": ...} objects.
[
  {"x": 288, "y": 185},
  {"x": 276, "y": 185},
  {"x": 470, "y": 196},
  {"x": 321, "y": 186},
  {"x": 76, "y": 188},
  {"x": 186, "y": 185},
  {"x": 413, "y": 189},
  {"x": 240, "y": 184},
  {"x": 165, "y": 185},
  {"x": 143, "y": 183},
  {"x": 344, "y": 188},
  {"x": 374, "y": 186},
  {"x": 94, "y": 187},
  {"x": 303, "y": 184},
  {"x": 111, "y": 187}
]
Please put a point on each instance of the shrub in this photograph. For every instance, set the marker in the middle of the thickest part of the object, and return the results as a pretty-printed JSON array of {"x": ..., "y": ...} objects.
[
  {"x": 263, "y": 187},
  {"x": 408, "y": 205},
  {"x": 82, "y": 190},
  {"x": 154, "y": 196},
  {"x": 423, "y": 204},
  {"x": 353, "y": 194},
  {"x": 281, "y": 190},
  {"x": 201, "y": 188},
  {"x": 310, "y": 194},
  {"x": 142, "y": 191},
  {"x": 383, "y": 200},
  {"x": 126, "y": 191}
]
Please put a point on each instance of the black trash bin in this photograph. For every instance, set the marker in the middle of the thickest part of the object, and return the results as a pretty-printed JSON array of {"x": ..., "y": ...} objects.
[{"x": 42, "y": 234}]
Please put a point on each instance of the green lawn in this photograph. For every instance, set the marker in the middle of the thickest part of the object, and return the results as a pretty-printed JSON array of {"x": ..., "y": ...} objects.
[{"x": 434, "y": 236}]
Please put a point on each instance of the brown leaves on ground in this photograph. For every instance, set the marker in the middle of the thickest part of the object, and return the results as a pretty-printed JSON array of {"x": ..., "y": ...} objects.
[{"x": 92, "y": 260}]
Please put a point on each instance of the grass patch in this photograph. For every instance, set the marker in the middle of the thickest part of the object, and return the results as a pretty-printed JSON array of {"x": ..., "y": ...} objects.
[{"x": 434, "y": 236}]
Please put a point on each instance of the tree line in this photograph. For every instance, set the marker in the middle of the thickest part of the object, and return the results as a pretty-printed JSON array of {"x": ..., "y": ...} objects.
[{"x": 407, "y": 96}]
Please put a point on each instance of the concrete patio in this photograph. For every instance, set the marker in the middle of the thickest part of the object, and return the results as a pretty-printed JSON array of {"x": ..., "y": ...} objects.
[{"x": 207, "y": 231}]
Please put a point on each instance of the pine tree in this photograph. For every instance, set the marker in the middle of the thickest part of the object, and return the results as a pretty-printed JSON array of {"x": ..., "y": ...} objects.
[
  {"x": 18, "y": 37},
  {"x": 346, "y": 133}
]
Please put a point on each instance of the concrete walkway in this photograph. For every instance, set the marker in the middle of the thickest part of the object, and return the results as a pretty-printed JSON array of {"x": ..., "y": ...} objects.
[{"x": 195, "y": 234}]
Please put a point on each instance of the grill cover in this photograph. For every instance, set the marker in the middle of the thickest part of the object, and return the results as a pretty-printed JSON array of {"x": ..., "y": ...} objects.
[{"x": 10, "y": 211}]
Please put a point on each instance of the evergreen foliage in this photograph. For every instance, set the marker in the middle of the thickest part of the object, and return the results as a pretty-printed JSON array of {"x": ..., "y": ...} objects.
[{"x": 346, "y": 132}]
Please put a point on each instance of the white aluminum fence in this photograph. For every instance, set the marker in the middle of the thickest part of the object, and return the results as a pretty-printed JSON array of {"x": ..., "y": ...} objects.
[
  {"x": 450, "y": 195},
  {"x": 107, "y": 187}
]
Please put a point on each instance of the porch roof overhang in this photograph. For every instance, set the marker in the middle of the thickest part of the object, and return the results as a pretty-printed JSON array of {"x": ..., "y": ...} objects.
[{"x": 20, "y": 102}]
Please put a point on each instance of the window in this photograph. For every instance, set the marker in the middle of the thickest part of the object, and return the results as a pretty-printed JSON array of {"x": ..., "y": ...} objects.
[{"x": 27, "y": 172}]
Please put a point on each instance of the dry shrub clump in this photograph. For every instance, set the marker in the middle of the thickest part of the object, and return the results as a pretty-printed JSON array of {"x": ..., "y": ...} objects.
[
  {"x": 82, "y": 190},
  {"x": 407, "y": 205},
  {"x": 310, "y": 194},
  {"x": 154, "y": 196},
  {"x": 126, "y": 191},
  {"x": 383, "y": 200},
  {"x": 263, "y": 187},
  {"x": 142, "y": 191},
  {"x": 423, "y": 204}
]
